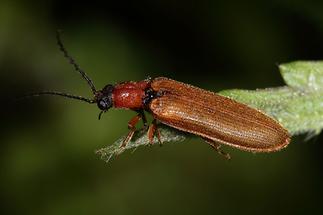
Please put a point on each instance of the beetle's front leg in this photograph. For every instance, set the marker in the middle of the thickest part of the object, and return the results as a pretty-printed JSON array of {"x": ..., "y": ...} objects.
[{"x": 132, "y": 127}]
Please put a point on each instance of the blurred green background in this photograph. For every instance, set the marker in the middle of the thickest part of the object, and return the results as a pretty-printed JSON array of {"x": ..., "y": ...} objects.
[{"x": 47, "y": 159}]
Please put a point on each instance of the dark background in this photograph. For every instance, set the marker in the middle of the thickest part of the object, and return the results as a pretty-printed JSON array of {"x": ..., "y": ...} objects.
[{"x": 47, "y": 159}]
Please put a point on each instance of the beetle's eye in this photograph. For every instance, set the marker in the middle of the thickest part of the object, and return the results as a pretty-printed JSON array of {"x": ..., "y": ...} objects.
[{"x": 102, "y": 105}]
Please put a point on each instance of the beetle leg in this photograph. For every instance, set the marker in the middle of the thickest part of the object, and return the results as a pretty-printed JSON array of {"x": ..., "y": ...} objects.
[
  {"x": 217, "y": 147},
  {"x": 132, "y": 126},
  {"x": 144, "y": 119},
  {"x": 152, "y": 130},
  {"x": 158, "y": 133}
]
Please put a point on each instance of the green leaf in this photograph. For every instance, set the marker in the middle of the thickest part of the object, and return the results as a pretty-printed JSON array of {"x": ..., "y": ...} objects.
[
  {"x": 306, "y": 75},
  {"x": 297, "y": 106}
]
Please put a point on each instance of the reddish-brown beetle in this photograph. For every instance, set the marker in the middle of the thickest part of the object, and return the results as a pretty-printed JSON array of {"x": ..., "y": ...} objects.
[{"x": 215, "y": 118}]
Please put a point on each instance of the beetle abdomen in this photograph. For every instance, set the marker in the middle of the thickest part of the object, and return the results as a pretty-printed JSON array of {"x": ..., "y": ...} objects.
[{"x": 215, "y": 117}]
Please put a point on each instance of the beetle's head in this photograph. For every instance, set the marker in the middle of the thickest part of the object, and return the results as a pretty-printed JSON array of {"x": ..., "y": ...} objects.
[{"x": 104, "y": 98}]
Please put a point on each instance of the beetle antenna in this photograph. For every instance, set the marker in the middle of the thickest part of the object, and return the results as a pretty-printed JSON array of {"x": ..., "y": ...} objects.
[
  {"x": 72, "y": 61},
  {"x": 54, "y": 93}
]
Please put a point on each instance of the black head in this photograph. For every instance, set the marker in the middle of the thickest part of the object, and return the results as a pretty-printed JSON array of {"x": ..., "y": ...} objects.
[{"x": 104, "y": 98}]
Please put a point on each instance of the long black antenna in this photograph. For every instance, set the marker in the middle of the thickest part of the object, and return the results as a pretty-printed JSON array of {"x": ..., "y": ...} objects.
[
  {"x": 72, "y": 61},
  {"x": 54, "y": 93}
]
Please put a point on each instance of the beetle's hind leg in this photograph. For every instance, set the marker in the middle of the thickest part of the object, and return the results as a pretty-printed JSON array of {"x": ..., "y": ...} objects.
[{"x": 217, "y": 147}]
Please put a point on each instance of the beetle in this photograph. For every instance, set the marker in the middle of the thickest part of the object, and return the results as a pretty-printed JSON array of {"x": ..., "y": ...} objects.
[{"x": 217, "y": 119}]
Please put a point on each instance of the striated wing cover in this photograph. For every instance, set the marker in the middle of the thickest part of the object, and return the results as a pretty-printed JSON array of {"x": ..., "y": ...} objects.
[{"x": 215, "y": 117}]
